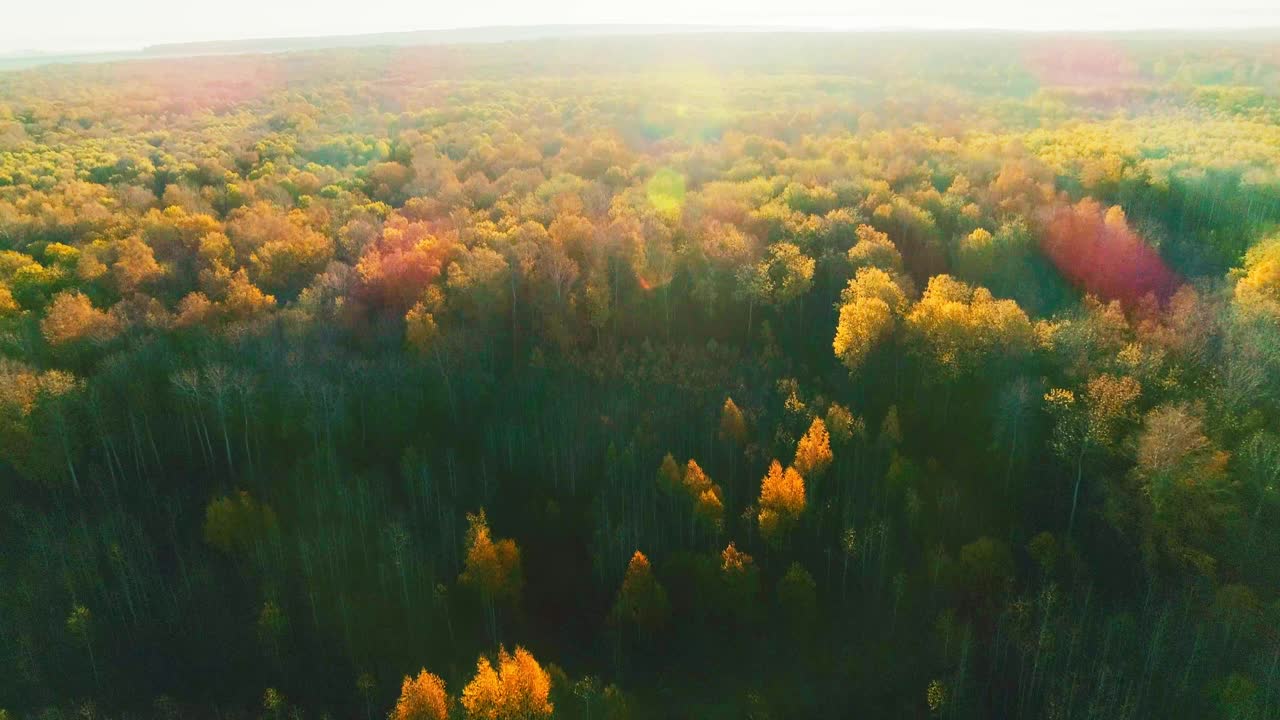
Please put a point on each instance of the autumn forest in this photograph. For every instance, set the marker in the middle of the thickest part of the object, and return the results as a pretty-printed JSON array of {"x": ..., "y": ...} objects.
[{"x": 670, "y": 376}]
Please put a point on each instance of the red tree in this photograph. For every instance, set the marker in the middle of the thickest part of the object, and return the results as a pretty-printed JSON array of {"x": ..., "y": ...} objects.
[{"x": 1098, "y": 252}]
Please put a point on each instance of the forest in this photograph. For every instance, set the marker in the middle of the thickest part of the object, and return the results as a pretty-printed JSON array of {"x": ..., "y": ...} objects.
[{"x": 919, "y": 375}]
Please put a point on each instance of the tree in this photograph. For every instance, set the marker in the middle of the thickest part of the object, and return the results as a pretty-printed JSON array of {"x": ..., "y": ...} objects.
[
  {"x": 491, "y": 568},
  {"x": 423, "y": 334},
  {"x": 271, "y": 627},
  {"x": 869, "y": 306},
  {"x": 1097, "y": 251},
  {"x": 641, "y": 600},
  {"x": 813, "y": 452},
  {"x": 874, "y": 249},
  {"x": 135, "y": 265},
  {"x": 519, "y": 689},
  {"x": 976, "y": 257},
  {"x": 237, "y": 522},
  {"x": 1091, "y": 422},
  {"x": 1185, "y": 480},
  {"x": 709, "y": 506},
  {"x": 789, "y": 273},
  {"x": 72, "y": 317},
  {"x": 478, "y": 282},
  {"x": 962, "y": 328},
  {"x": 782, "y": 501},
  {"x": 420, "y": 329},
  {"x": 398, "y": 267},
  {"x": 669, "y": 475},
  {"x": 80, "y": 624},
  {"x": 279, "y": 248},
  {"x": 1257, "y": 290},
  {"x": 422, "y": 698},
  {"x": 695, "y": 480},
  {"x": 1260, "y": 474},
  {"x": 844, "y": 426},
  {"x": 273, "y": 701},
  {"x": 244, "y": 300},
  {"x": 935, "y": 696},
  {"x": 741, "y": 582},
  {"x": 286, "y": 266},
  {"x": 985, "y": 574},
  {"x": 707, "y": 496},
  {"x": 798, "y": 598},
  {"x": 1007, "y": 261},
  {"x": 733, "y": 426},
  {"x": 8, "y": 305}
]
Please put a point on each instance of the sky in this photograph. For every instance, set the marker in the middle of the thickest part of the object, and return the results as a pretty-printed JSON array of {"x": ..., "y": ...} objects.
[{"x": 92, "y": 25}]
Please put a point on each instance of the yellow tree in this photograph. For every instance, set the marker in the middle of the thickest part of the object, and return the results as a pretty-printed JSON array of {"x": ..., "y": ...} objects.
[
  {"x": 733, "y": 426},
  {"x": 421, "y": 332},
  {"x": 482, "y": 698},
  {"x": 960, "y": 327},
  {"x": 1089, "y": 423},
  {"x": 244, "y": 299},
  {"x": 782, "y": 500},
  {"x": 976, "y": 257},
  {"x": 422, "y": 698},
  {"x": 844, "y": 425},
  {"x": 669, "y": 477},
  {"x": 8, "y": 306},
  {"x": 874, "y": 249},
  {"x": 641, "y": 600},
  {"x": 696, "y": 480},
  {"x": 1258, "y": 286},
  {"x": 741, "y": 580},
  {"x": 789, "y": 273},
  {"x": 518, "y": 689},
  {"x": 492, "y": 568},
  {"x": 237, "y": 522},
  {"x": 813, "y": 452},
  {"x": 135, "y": 265},
  {"x": 708, "y": 499},
  {"x": 869, "y": 306},
  {"x": 420, "y": 328},
  {"x": 710, "y": 507},
  {"x": 1184, "y": 479},
  {"x": 71, "y": 317}
]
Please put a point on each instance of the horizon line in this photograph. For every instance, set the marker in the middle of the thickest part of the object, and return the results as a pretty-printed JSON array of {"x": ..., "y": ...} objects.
[{"x": 925, "y": 25}]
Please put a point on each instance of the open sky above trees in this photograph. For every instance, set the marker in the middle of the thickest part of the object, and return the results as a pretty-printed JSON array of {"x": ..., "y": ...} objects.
[{"x": 86, "y": 25}]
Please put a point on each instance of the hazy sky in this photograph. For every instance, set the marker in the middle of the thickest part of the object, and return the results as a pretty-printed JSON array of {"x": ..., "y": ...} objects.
[{"x": 122, "y": 24}]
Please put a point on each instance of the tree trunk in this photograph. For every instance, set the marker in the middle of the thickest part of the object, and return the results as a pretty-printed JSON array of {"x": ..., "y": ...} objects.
[{"x": 1075, "y": 494}]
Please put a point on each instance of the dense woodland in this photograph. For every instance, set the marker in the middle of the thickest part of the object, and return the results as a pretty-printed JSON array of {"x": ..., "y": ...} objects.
[{"x": 742, "y": 376}]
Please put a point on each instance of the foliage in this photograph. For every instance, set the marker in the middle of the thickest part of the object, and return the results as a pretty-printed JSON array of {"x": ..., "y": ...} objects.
[
  {"x": 344, "y": 363},
  {"x": 422, "y": 698}
]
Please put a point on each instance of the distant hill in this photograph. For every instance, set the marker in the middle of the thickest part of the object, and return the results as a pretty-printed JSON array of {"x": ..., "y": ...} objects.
[
  {"x": 22, "y": 61},
  {"x": 453, "y": 36},
  {"x": 532, "y": 33},
  {"x": 475, "y": 35}
]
